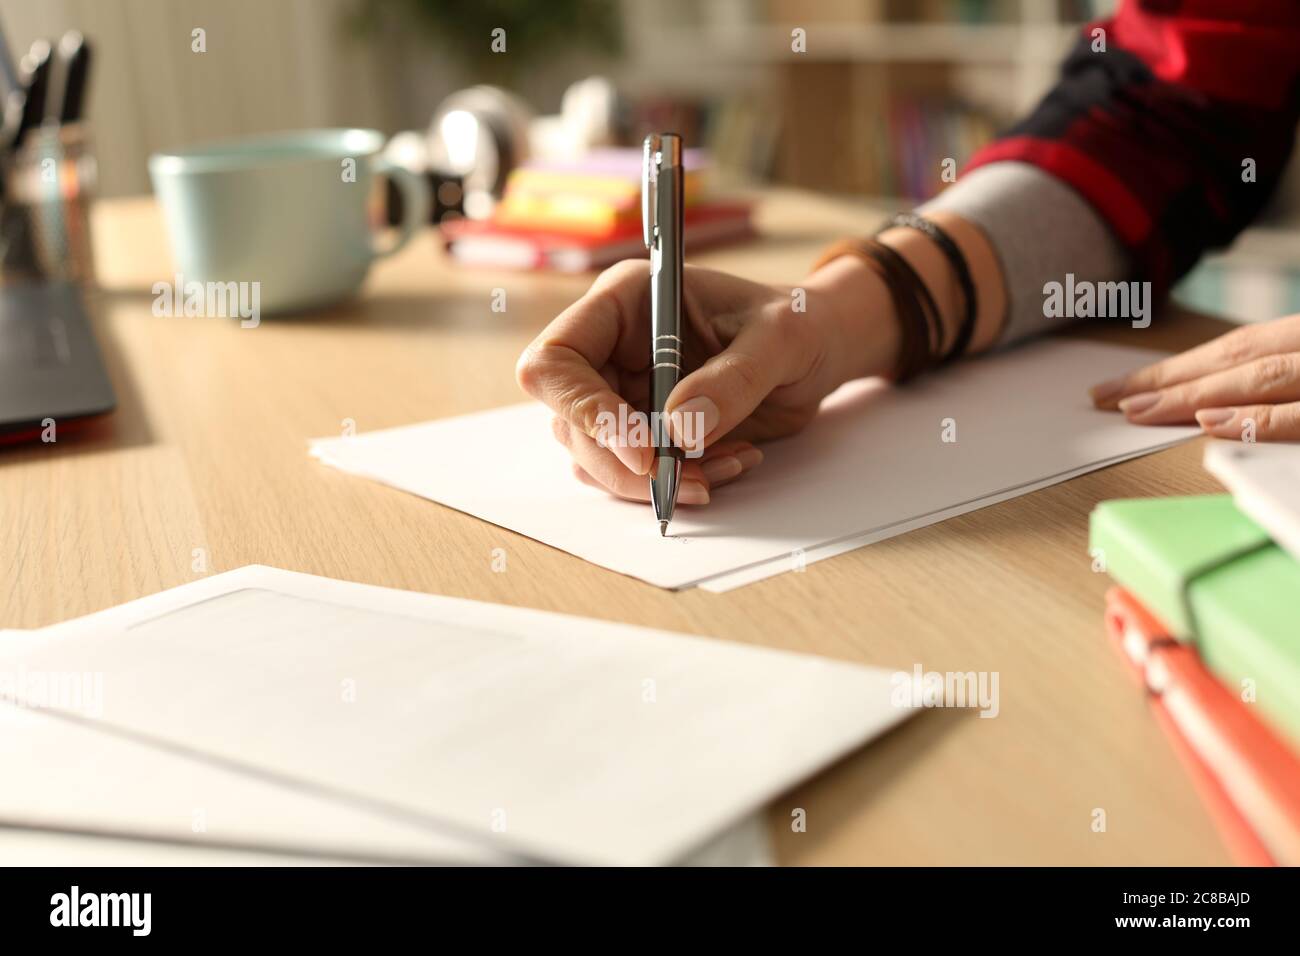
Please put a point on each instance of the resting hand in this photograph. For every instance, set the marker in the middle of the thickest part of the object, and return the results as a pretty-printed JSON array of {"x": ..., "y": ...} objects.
[{"x": 1249, "y": 375}]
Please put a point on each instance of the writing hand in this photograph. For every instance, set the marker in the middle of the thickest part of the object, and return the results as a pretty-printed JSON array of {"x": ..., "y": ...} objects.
[{"x": 756, "y": 369}]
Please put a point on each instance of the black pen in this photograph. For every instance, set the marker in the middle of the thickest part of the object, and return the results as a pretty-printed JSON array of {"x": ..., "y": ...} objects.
[{"x": 661, "y": 219}]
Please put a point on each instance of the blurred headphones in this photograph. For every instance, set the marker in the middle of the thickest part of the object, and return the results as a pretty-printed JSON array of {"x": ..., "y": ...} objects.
[{"x": 481, "y": 134}]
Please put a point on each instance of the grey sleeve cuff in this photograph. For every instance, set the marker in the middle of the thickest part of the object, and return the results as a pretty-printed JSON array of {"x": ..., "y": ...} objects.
[{"x": 1041, "y": 229}]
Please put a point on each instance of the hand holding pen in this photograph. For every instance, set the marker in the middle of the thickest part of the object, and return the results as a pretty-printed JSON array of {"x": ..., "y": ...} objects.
[
  {"x": 755, "y": 368},
  {"x": 592, "y": 362}
]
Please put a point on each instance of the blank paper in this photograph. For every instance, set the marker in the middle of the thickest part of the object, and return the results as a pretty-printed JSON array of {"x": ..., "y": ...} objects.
[
  {"x": 446, "y": 723},
  {"x": 873, "y": 464}
]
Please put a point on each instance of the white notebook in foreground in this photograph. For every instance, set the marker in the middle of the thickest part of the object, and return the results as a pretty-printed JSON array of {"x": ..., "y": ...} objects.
[
  {"x": 402, "y": 726},
  {"x": 1265, "y": 484},
  {"x": 875, "y": 463}
]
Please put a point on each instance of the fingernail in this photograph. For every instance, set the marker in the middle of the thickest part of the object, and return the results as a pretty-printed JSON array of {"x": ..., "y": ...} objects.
[
  {"x": 1137, "y": 404},
  {"x": 1106, "y": 390},
  {"x": 721, "y": 468},
  {"x": 693, "y": 492},
  {"x": 693, "y": 421},
  {"x": 749, "y": 458},
  {"x": 633, "y": 458},
  {"x": 1212, "y": 417}
]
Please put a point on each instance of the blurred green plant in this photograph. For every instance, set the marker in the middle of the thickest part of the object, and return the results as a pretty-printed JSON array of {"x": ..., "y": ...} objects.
[{"x": 534, "y": 29}]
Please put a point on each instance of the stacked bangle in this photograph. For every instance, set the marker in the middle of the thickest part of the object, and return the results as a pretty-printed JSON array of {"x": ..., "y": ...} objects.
[
  {"x": 952, "y": 251},
  {"x": 920, "y": 322}
]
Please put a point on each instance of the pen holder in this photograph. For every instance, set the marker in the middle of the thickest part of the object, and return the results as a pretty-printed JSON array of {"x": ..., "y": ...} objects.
[{"x": 45, "y": 221}]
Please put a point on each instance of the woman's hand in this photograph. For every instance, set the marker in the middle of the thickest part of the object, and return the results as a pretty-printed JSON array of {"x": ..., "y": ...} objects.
[
  {"x": 756, "y": 367},
  {"x": 1248, "y": 375}
]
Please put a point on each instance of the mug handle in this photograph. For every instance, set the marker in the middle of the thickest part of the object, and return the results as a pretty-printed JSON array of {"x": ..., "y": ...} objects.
[{"x": 415, "y": 204}]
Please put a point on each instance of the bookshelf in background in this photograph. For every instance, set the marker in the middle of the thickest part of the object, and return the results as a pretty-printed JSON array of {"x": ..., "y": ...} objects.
[
  {"x": 883, "y": 92},
  {"x": 875, "y": 129}
]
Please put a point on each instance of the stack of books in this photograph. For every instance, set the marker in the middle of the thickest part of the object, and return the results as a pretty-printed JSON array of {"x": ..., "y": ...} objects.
[
  {"x": 577, "y": 217},
  {"x": 1207, "y": 612}
]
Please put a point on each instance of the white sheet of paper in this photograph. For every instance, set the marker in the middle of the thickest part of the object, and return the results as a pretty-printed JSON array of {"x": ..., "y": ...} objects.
[
  {"x": 80, "y": 778},
  {"x": 757, "y": 572},
  {"x": 76, "y": 791},
  {"x": 874, "y": 460},
  {"x": 543, "y": 736},
  {"x": 37, "y": 848},
  {"x": 744, "y": 845}
]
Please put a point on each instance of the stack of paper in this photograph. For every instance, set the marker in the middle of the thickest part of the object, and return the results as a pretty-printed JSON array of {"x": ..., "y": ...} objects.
[
  {"x": 878, "y": 461},
  {"x": 308, "y": 719}
]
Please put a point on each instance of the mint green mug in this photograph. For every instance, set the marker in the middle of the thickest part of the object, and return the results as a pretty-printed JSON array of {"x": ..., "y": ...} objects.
[{"x": 288, "y": 211}]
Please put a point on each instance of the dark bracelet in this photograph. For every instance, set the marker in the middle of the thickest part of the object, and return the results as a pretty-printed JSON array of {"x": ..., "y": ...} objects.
[
  {"x": 924, "y": 315},
  {"x": 952, "y": 251},
  {"x": 920, "y": 328}
]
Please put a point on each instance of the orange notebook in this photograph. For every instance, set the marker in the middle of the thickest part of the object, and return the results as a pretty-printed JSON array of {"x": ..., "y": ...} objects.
[{"x": 1247, "y": 777}]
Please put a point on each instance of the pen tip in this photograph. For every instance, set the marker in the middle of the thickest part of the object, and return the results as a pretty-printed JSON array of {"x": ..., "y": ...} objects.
[{"x": 663, "y": 529}]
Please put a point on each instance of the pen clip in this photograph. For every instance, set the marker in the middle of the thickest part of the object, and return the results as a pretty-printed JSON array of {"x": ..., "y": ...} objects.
[{"x": 649, "y": 189}]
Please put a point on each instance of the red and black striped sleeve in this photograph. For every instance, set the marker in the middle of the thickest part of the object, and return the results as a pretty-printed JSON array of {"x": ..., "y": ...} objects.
[{"x": 1175, "y": 123}]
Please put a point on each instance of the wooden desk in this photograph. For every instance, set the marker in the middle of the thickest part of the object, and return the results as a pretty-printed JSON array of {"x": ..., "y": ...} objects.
[{"x": 208, "y": 451}]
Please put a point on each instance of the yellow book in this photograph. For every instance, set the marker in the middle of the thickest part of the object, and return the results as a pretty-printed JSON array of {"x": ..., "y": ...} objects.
[{"x": 576, "y": 201}]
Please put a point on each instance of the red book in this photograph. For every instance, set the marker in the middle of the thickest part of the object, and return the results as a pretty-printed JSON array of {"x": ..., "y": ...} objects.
[
  {"x": 1248, "y": 778},
  {"x": 485, "y": 243}
]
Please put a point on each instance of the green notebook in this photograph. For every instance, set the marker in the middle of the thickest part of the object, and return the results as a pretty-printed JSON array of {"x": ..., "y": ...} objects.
[{"x": 1215, "y": 579}]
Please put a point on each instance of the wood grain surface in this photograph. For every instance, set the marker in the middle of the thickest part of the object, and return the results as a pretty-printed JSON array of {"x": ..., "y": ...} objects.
[{"x": 208, "y": 450}]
